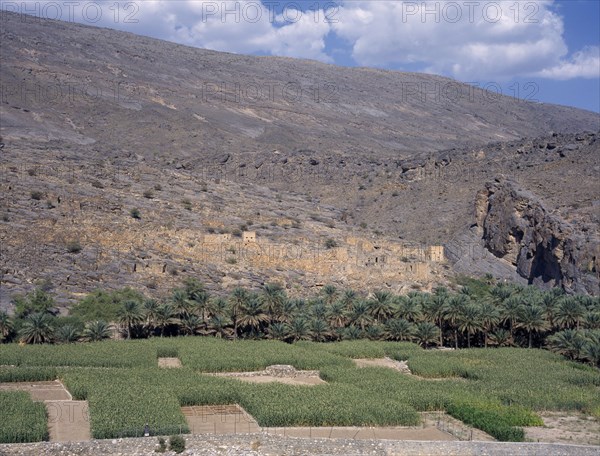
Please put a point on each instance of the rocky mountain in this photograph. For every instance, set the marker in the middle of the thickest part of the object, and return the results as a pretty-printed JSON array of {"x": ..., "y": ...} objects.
[
  {"x": 133, "y": 161},
  {"x": 543, "y": 246}
]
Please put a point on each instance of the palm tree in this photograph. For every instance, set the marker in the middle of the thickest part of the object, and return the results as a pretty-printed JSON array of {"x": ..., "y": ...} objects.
[
  {"x": 568, "y": 343},
  {"x": 434, "y": 308},
  {"x": 359, "y": 314},
  {"x": 351, "y": 333},
  {"x": 273, "y": 296},
  {"x": 253, "y": 314},
  {"x": 500, "y": 293},
  {"x": 191, "y": 324},
  {"x": 150, "y": 308},
  {"x": 591, "y": 348},
  {"x": 470, "y": 321},
  {"x": 219, "y": 307},
  {"x": 330, "y": 293},
  {"x": 319, "y": 329},
  {"x": 381, "y": 307},
  {"x": 399, "y": 329},
  {"x": 548, "y": 303},
  {"x": 37, "y": 329},
  {"x": 6, "y": 326},
  {"x": 374, "y": 332},
  {"x": 96, "y": 331},
  {"x": 347, "y": 299},
  {"x": 531, "y": 318},
  {"x": 426, "y": 333},
  {"x": 453, "y": 312},
  {"x": 289, "y": 309},
  {"x": 409, "y": 308},
  {"x": 336, "y": 315},
  {"x": 180, "y": 303},
  {"x": 219, "y": 326},
  {"x": 490, "y": 317},
  {"x": 501, "y": 337},
  {"x": 165, "y": 316},
  {"x": 318, "y": 309},
  {"x": 591, "y": 320},
  {"x": 66, "y": 334},
  {"x": 569, "y": 312},
  {"x": 510, "y": 310},
  {"x": 130, "y": 315},
  {"x": 200, "y": 304},
  {"x": 237, "y": 300},
  {"x": 298, "y": 329},
  {"x": 277, "y": 331}
]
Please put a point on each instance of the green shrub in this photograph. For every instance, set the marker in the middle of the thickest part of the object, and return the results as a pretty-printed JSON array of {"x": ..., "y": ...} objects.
[
  {"x": 74, "y": 246},
  {"x": 177, "y": 443},
  {"x": 135, "y": 213},
  {"x": 162, "y": 445},
  {"x": 37, "y": 195},
  {"x": 104, "y": 305},
  {"x": 330, "y": 243}
]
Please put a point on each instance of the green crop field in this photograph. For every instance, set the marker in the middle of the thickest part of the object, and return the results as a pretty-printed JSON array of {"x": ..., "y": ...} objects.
[
  {"x": 21, "y": 419},
  {"x": 497, "y": 390}
]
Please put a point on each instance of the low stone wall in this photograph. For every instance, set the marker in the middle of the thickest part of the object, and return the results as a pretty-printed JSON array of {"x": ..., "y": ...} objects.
[{"x": 262, "y": 444}]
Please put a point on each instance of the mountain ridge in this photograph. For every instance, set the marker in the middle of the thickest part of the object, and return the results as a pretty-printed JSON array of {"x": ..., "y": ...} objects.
[{"x": 132, "y": 128}]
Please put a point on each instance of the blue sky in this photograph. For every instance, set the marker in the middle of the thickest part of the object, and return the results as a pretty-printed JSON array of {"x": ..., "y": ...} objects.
[{"x": 545, "y": 50}]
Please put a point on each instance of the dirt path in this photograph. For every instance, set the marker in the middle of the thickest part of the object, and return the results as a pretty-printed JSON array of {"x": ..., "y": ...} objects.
[
  {"x": 400, "y": 366},
  {"x": 68, "y": 421},
  {"x": 561, "y": 427},
  {"x": 384, "y": 362},
  {"x": 363, "y": 433}
]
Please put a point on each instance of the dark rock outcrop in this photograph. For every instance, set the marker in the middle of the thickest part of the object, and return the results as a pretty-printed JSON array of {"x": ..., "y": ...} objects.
[{"x": 546, "y": 249}]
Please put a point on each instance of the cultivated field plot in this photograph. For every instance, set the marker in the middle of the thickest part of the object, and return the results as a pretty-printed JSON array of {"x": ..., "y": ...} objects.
[
  {"x": 169, "y": 363},
  {"x": 498, "y": 391},
  {"x": 219, "y": 419},
  {"x": 288, "y": 375},
  {"x": 67, "y": 420},
  {"x": 39, "y": 391}
]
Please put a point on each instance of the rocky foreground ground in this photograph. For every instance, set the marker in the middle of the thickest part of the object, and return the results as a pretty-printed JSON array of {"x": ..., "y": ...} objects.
[{"x": 264, "y": 444}]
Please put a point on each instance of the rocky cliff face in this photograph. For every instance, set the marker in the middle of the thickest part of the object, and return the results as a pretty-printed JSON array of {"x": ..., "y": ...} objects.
[{"x": 546, "y": 249}]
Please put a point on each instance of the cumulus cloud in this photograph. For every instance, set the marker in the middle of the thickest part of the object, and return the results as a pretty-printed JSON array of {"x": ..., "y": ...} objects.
[
  {"x": 583, "y": 64},
  {"x": 461, "y": 39}
]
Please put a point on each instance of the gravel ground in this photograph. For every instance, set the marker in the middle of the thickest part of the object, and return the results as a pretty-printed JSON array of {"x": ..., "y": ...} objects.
[{"x": 267, "y": 445}]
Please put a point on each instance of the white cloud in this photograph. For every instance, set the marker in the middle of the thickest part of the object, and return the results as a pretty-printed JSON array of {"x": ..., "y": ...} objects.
[
  {"x": 583, "y": 64},
  {"x": 245, "y": 26},
  {"x": 487, "y": 40}
]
